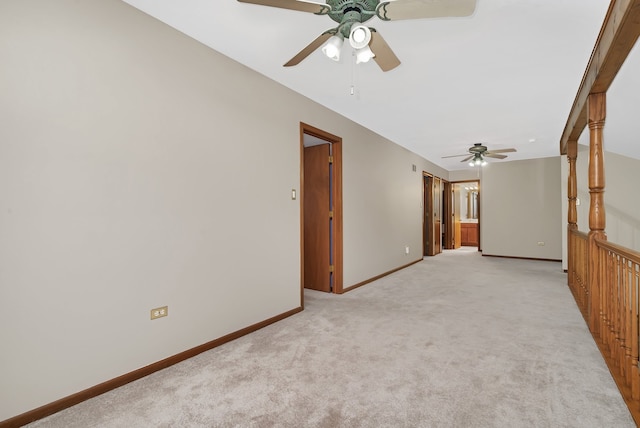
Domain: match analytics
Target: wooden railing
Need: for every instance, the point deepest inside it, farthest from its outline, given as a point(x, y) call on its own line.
point(618, 276)
point(578, 270)
point(610, 304)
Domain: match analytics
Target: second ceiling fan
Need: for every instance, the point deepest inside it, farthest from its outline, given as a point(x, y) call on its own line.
point(352, 14)
point(478, 152)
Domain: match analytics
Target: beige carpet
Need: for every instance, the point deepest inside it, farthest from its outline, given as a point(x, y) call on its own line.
point(458, 340)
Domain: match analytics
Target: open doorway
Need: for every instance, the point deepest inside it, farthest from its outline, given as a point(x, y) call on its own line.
point(321, 210)
point(466, 195)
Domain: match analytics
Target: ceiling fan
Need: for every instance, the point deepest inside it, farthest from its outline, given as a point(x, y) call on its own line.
point(478, 152)
point(352, 14)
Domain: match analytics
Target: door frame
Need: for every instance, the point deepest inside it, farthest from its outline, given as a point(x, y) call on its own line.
point(337, 230)
point(477, 181)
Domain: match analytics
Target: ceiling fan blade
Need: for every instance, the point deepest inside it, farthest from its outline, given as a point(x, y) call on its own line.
point(492, 155)
point(467, 158)
point(303, 6)
point(384, 56)
point(418, 9)
point(502, 151)
point(319, 41)
point(455, 156)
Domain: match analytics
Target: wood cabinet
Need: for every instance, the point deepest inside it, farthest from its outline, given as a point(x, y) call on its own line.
point(469, 234)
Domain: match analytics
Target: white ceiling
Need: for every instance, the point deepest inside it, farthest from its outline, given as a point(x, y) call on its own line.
point(505, 76)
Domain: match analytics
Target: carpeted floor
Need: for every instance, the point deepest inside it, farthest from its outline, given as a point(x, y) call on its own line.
point(458, 340)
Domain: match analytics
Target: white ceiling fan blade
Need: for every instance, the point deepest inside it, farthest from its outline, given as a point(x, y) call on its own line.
point(319, 41)
point(455, 156)
point(393, 10)
point(302, 6)
point(467, 158)
point(491, 155)
point(385, 58)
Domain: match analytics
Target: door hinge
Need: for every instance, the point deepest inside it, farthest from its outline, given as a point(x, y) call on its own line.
point(330, 159)
point(331, 268)
point(330, 214)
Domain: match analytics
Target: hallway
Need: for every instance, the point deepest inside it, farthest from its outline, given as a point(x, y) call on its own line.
point(501, 345)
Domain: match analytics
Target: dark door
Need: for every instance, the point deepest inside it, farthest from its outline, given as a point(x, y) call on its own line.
point(437, 215)
point(427, 225)
point(317, 221)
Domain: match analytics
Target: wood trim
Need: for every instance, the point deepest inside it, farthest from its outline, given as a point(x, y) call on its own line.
point(72, 400)
point(338, 274)
point(618, 34)
point(479, 183)
point(522, 258)
point(618, 249)
point(301, 205)
point(382, 275)
point(580, 234)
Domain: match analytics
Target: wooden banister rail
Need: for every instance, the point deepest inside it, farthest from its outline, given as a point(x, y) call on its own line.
point(616, 308)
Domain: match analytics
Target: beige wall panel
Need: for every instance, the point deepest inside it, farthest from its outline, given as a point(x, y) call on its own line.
point(520, 208)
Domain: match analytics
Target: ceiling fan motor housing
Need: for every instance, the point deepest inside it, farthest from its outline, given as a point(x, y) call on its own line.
point(348, 12)
point(478, 148)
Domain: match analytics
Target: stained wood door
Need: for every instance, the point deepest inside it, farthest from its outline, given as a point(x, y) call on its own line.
point(456, 217)
point(432, 225)
point(448, 241)
point(427, 225)
point(437, 215)
point(317, 206)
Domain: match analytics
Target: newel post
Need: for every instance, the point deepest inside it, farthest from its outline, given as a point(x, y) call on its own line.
point(572, 156)
point(572, 213)
point(597, 114)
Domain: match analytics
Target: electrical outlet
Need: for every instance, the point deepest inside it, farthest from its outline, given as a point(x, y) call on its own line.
point(541, 243)
point(406, 250)
point(159, 312)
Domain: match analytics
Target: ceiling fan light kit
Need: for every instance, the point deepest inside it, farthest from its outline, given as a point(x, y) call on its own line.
point(333, 47)
point(351, 14)
point(360, 36)
point(364, 55)
point(478, 160)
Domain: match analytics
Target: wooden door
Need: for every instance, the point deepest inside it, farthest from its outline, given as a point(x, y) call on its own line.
point(437, 215)
point(427, 224)
point(448, 242)
point(456, 217)
point(317, 232)
point(432, 225)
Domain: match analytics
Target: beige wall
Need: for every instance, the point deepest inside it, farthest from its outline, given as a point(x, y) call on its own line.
point(139, 168)
point(465, 174)
point(520, 206)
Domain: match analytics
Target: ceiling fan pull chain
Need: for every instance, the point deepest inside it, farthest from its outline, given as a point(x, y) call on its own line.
point(353, 72)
